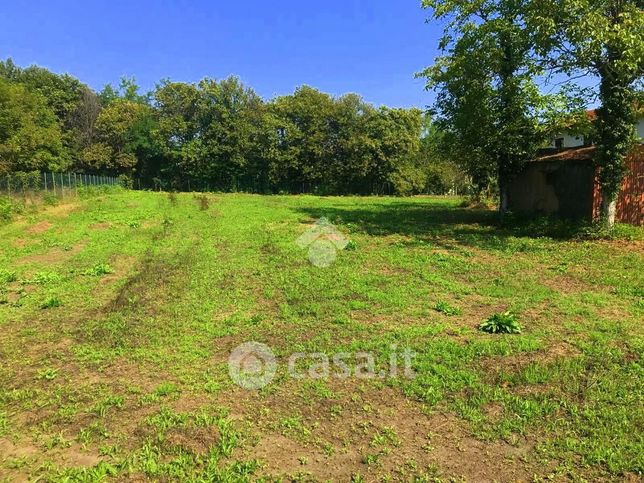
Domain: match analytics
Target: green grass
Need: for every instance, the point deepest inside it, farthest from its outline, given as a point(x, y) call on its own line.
point(118, 313)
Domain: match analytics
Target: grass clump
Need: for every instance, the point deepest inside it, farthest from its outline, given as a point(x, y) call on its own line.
point(98, 270)
point(447, 309)
point(204, 202)
point(501, 323)
point(7, 276)
point(43, 278)
point(50, 303)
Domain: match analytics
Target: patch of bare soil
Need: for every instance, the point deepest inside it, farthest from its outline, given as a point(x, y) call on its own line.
point(475, 310)
point(54, 256)
point(569, 284)
point(40, 227)
point(373, 432)
point(625, 245)
point(63, 209)
point(197, 441)
point(143, 278)
point(492, 366)
point(104, 225)
point(71, 456)
point(21, 242)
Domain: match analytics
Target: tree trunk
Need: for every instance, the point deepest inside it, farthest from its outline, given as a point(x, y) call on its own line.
point(608, 210)
point(503, 200)
point(615, 126)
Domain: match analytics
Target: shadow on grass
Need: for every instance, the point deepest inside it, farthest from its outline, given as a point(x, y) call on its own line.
point(437, 223)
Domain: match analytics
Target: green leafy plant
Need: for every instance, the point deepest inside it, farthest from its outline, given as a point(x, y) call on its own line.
point(43, 278)
point(50, 199)
point(7, 276)
point(98, 270)
point(48, 374)
point(501, 323)
point(447, 309)
point(51, 303)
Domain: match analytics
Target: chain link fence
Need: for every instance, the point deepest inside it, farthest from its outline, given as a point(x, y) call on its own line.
point(60, 184)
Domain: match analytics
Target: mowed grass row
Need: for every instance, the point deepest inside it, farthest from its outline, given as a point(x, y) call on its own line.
point(119, 311)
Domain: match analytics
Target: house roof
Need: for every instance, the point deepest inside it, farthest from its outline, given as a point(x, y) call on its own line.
point(581, 153)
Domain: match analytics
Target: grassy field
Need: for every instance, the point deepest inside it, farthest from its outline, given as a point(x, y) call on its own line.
point(118, 314)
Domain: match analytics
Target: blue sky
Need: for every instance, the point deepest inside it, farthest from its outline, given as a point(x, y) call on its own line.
point(372, 47)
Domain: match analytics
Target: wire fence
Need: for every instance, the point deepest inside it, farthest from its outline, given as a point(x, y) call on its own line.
point(21, 183)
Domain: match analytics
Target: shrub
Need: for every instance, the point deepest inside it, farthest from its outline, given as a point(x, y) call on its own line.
point(9, 207)
point(50, 199)
point(125, 181)
point(503, 323)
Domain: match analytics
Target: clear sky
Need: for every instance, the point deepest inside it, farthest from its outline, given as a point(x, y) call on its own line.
point(371, 47)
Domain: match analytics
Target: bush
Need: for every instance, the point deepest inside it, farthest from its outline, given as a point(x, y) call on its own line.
point(125, 181)
point(8, 208)
point(50, 199)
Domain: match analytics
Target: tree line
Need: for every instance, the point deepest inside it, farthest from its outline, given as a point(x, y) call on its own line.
point(216, 135)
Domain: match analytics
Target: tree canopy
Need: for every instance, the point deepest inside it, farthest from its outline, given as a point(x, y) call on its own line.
point(213, 134)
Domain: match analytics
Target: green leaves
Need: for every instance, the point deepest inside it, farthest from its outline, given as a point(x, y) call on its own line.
point(503, 323)
point(30, 137)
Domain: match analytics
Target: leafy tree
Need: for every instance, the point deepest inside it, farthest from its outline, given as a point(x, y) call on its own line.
point(74, 104)
point(178, 130)
point(487, 99)
point(121, 138)
point(30, 137)
point(394, 143)
point(307, 122)
point(229, 115)
point(210, 130)
point(127, 90)
point(604, 38)
point(442, 172)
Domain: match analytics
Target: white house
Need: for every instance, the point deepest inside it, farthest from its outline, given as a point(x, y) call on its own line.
point(571, 139)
